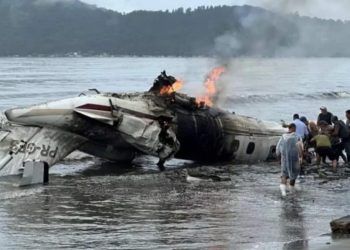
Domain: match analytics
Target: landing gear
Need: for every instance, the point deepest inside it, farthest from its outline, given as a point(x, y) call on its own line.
point(160, 164)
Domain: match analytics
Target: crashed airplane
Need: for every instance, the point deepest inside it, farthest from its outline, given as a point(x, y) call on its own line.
point(117, 127)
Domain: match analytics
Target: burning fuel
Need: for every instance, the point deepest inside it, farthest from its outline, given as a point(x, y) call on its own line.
point(167, 85)
point(167, 90)
point(210, 87)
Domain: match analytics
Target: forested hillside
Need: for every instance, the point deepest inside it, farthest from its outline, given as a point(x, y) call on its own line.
point(52, 27)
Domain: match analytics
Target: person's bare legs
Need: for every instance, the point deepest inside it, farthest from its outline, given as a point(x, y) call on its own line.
point(292, 183)
point(334, 165)
point(283, 186)
point(318, 160)
point(292, 186)
point(284, 180)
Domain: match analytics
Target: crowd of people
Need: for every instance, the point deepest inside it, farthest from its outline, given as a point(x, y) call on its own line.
point(328, 138)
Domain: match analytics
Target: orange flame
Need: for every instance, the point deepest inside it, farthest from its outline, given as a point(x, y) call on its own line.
point(210, 87)
point(167, 90)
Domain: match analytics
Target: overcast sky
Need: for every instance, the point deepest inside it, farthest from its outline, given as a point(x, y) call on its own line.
point(330, 9)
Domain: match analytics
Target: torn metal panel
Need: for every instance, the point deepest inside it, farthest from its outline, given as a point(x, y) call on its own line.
point(145, 135)
point(137, 121)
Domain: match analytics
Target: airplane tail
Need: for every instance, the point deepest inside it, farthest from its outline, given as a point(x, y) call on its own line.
point(20, 144)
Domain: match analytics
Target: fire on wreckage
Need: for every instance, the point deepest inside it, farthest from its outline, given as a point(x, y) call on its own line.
point(116, 127)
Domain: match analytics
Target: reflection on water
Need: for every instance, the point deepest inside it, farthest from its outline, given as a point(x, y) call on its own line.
point(292, 223)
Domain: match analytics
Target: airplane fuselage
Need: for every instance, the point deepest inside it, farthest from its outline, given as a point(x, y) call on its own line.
point(117, 126)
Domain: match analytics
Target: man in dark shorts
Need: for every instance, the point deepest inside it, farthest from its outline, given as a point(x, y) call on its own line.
point(339, 138)
point(346, 142)
point(324, 149)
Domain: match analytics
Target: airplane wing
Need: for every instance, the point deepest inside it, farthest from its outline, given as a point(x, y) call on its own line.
point(23, 143)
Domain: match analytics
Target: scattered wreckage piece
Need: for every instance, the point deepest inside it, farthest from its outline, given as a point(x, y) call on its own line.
point(325, 173)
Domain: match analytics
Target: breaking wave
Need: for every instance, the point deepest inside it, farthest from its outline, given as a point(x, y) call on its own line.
point(290, 96)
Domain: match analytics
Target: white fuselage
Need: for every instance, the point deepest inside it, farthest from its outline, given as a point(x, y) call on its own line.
point(126, 124)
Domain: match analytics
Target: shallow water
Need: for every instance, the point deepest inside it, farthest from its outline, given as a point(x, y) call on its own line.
point(92, 204)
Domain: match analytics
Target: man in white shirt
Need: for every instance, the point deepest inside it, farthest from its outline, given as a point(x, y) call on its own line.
point(301, 129)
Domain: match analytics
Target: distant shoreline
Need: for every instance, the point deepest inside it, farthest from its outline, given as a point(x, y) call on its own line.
point(105, 56)
point(173, 56)
point(75, 29)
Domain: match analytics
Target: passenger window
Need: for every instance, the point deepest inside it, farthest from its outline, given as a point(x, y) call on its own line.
point(250, 148)
point(272, 153)
point(235, 146)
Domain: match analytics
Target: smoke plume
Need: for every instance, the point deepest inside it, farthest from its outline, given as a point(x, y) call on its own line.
point(281, 32)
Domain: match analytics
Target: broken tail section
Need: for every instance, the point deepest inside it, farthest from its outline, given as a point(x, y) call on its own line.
point(21, 144)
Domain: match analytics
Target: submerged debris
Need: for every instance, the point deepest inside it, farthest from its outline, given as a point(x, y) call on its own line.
point(211, 173)
point(197, 174)
point(325, 172)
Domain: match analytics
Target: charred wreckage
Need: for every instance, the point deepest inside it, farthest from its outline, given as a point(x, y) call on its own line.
point(160, 122)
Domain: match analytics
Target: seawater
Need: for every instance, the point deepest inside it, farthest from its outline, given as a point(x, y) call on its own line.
point(92, 204)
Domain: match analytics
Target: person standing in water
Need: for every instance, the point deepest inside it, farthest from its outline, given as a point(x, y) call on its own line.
point(290, 151)
point(300, 127)
point(346, 141)
point(324, 149)
point(325, 116)
point(339, 137)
